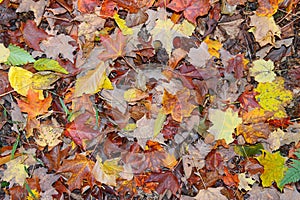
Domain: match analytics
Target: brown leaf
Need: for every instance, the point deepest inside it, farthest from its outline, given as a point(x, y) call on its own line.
point(253, 132)
point(4, 83)
point(230, 179)
point(114, 46)
point(81, 169)
point(87, 6)
point(32, 34)
point(54, 158)
point(267, 7)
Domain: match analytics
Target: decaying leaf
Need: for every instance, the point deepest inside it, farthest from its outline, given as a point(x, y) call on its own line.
point(4, 53)
point(15, 172)
point(245, 182)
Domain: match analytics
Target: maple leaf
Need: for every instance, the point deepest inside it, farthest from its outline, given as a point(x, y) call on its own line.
point(32, 34)
point(230, 179)
point(177, 105)
point(273, 168)
point(265, 29)
point(80, 130)
point(81, 169)
point(114, 46)
point(166, 181)
point(247, 99)
point(262, 71)
point(273, 97)
point(54, 158)
point(224, 123)
point(191, 8)
point(34, 106)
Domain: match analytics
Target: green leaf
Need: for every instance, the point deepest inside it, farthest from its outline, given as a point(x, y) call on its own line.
point(18, 56)
point(46, 64)
point(248, 150)
point(292, 175)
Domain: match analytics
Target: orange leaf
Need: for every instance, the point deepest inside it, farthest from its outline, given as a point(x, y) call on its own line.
point(34, 106)
point(253, 132)
point(177, 105)
point(81, 169)
point(267, 7)
point(229, 179)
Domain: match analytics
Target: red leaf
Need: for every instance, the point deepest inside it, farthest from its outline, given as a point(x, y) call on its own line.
point(166, 181)
point(87, 6)
point(229, 179)
point(33, 35)
point(247, 99)
point(108, 8)
point(236, 65)
point(280, 123)
point(191, 8)
point(79, 130)
point(214, 161)
point(170, 129)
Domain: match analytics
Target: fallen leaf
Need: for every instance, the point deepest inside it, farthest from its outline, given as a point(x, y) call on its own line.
point(15, 172)
point(81, 169)
point(4, 53)
point(32, 34)
point(211, 194)
point(196, 59)
point(263, 71)
point(122, 25)
point(44, 64)
point(245, 182)
point(60, 44)
point(166, 181)
point(273, 97)
point(177, 105)
point(253, 132)
point(37, 7)
point(265, 29)
point(114, 46)
point(87, 6)
point(134, 94)
point(191, 8)
point(232, 180)
point(224, 123)
point(93, 81)
point(108, 171)
point(273, 168)
point(54, 158)
point(34, 106)
point(213, 47)
point(267, 7)
point(237, 65)
point(275, 138)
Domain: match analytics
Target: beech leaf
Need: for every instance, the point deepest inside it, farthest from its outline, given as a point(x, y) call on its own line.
point(18, 56)
point(45, 64)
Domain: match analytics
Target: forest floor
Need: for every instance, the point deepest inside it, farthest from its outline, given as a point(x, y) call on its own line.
point(159, 99)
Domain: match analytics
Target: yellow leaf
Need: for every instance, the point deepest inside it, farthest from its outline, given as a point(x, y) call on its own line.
point(122, 25)
point(35, 193)
point(107, 83)
point(262, 71)
point(15, 171)
point(213, 47)
point(186, 28)
point(44, 80)
point(273, 168)
point(134, 94)
point(273, 97)
point(21, 80)
point(4, 52)
point(224, 123)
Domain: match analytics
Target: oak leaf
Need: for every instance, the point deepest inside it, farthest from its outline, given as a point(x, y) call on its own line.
point(34, 106)
point(81, 169)
point(224, 124)
point(114, 46)
point(37, 7)
point(191, 8)
point(177, 105)
point(273, 168)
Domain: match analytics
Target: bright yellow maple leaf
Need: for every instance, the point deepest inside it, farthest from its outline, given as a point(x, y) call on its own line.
point(273, 97)
point(273, 167)
point(262, 71)
point(224, 123)
point(177, 105)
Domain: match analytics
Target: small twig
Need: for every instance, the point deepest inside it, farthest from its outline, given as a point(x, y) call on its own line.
point(6, 93)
